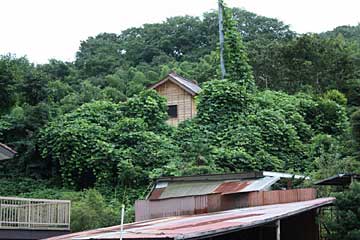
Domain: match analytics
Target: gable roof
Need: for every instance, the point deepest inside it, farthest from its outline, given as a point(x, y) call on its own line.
point(6, 152)
point(186, 84)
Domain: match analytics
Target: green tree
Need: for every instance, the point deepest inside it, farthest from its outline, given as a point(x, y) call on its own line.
point(235, 55)
point(346, 225)
point(100, 55)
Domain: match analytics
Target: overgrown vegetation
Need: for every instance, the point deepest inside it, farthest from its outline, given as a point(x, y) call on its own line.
point(345, 224)
point(87, 130)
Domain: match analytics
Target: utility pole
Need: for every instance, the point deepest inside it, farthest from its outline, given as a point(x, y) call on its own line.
point(221, 36)
point(122, 221)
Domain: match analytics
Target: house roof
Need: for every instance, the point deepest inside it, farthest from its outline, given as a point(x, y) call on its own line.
point(339, 179)
point(6, 152)
point(173, 187)
point(211, 177)
point(188, 85)
point(203, 225)
point(182, 189)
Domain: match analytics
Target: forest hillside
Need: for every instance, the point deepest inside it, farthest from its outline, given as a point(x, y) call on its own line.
point(89, 131)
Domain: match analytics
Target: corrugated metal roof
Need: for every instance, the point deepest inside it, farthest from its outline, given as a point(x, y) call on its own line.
point(204, 225)
point(229, 176)
point(216, 183)
point(232, 187)
point(284, 175)
point(195, 188)
point(180, 189)
point(339, 179)
point(261, 184)
point(188, 85)
point(156, 193)
point(6, 152)
point(185, 82)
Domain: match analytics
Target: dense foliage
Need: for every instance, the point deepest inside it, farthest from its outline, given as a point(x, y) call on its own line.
point(87, 130)
point(346, 223)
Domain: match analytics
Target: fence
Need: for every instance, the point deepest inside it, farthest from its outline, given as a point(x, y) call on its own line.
point(39, 214)
point(147, 209)
point(189, 205)
point(280, 196)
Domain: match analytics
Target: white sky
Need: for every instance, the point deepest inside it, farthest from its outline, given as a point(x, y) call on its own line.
point(44, 29)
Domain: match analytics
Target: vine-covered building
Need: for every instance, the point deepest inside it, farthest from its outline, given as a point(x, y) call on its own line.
point(180, 94)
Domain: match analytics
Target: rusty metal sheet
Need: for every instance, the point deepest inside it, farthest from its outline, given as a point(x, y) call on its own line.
point(156, 193)
point(214, 202)
point(173, 187)
point(186, 227)
point(280, 196)
point(232, 187)
point(201, 204)
point(145, 209)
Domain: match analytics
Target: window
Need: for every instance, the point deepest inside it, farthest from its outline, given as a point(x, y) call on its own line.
point(172, 111)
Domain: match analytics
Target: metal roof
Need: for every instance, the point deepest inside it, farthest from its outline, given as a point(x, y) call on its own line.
point(211, 177)
point(261, 184)
point(172, 187)
point(284, 175)
point(181, 189)
point(6, 152)
point(196, 188)
point(339, 179)
point(203, 225)
point(188, 85)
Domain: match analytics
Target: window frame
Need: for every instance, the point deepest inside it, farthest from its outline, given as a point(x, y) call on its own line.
point(174, 109)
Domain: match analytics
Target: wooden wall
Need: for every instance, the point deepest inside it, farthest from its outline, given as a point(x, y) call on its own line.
point(175, 95)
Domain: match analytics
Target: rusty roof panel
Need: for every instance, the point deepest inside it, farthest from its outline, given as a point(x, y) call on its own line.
point(156, 193)
point(196, 188)
point(204, 225)
point(232, 187)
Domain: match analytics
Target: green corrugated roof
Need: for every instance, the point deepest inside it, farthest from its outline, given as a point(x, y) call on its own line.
point(180, 189)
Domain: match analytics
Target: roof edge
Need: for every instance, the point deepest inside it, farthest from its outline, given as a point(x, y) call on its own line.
point(328, 202)
point(173, 80)
point(210, 177)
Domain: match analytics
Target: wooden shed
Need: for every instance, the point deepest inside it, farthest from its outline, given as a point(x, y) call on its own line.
point(180, 94)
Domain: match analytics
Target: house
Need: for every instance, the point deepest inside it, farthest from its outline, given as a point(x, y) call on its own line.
point(286, 221)
point(177, 196)
point(180, 94)
point(220, 207)
point(6, 152)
